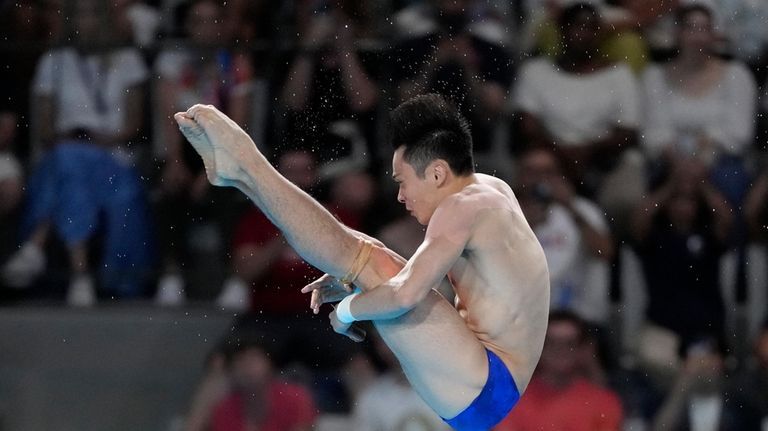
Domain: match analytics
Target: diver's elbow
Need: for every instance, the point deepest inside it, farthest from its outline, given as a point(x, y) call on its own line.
point(408, 298)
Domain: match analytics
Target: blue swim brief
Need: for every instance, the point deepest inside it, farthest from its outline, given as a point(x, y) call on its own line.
point(493, 404)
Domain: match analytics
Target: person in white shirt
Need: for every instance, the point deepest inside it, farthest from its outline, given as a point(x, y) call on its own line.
point(89, 99)
point(588, 110)
point(700, 105)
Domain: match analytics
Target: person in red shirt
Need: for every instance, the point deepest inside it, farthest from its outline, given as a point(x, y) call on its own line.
point(559, 397)
point(257, 399)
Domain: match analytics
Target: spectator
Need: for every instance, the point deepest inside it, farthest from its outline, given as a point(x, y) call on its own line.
point(203, 70)
point(750, 389)
point(331, 83)
point(700, 105)
point(698, 400)
point(680, 232)
point(573, 232)
point(470, 70)
point(257, 398)
point(593, 128)
point(389, 403)
point(559, 397)
point(89, 98)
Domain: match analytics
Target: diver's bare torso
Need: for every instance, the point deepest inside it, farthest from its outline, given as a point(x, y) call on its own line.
point(501, 280)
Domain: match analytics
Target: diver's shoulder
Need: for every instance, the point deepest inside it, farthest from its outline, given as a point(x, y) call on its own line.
point(488, 189)
point(490, 180)
point(485, 193)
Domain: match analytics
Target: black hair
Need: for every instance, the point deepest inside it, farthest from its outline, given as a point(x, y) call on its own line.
point(431, 128)
point(569, 15)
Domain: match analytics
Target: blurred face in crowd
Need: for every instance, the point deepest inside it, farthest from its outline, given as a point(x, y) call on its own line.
point(562, 352)
point(204, 23)
point(538, 173)
point(696, 34)
point(251, 367)
point(538, 167)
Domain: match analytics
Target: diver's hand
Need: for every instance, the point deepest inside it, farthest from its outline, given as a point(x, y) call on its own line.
point(324, 290)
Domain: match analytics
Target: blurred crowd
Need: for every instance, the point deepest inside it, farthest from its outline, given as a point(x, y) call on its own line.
point(633, 132)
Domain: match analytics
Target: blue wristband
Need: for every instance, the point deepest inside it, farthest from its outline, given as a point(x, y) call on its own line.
point(343, 312)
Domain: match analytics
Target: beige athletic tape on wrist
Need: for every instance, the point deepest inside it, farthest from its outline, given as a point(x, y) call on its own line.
point(358, 264)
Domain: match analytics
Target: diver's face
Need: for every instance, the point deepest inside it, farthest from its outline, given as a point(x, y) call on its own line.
point(417, 193)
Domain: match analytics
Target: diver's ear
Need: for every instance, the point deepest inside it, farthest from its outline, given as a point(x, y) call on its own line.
point(438, 171)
